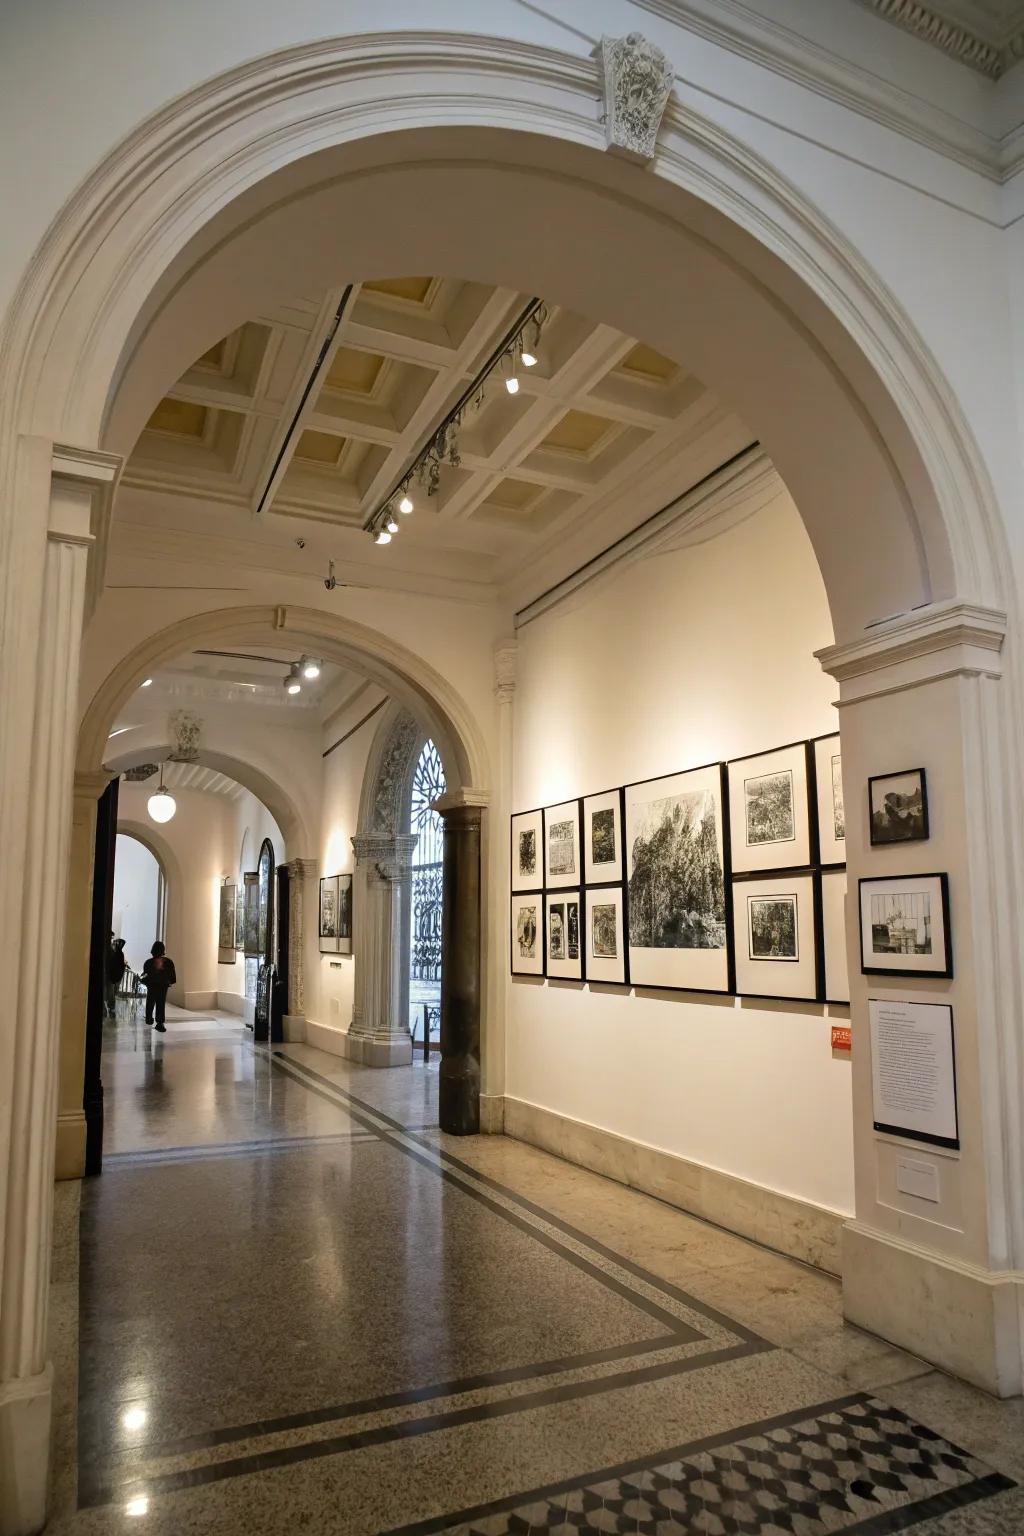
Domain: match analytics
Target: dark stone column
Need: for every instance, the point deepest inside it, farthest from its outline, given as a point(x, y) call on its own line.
point(459, 1103)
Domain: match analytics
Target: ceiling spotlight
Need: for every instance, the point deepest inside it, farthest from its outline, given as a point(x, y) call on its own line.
point(161, 805)
point(405, 505)
point(383, 536)
point(529, 360)
point(512, 384)
point(293, 682)
point(310, 667)
point(391, 525)
point(146, 683)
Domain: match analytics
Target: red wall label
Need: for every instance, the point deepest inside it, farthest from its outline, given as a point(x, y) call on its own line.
point(840, 1037)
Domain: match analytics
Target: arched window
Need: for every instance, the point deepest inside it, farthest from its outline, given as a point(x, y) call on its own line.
point(425, 935)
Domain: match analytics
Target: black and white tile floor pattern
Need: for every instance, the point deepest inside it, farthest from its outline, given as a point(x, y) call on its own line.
point(861, 1466)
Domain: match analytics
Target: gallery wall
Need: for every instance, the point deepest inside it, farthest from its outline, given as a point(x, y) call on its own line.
point(696, 654)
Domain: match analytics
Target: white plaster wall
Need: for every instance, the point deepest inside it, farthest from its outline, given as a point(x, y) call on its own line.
point(693, 655)
point(136, 899)
point(248, 824)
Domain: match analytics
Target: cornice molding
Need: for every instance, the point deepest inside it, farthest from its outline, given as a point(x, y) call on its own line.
point(83, 481)
point(960, 42)
point(941, 641)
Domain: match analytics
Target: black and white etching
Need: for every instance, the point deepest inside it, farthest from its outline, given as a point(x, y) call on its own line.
point(901, 923)
point(526, 932)
point(602, 836)
point(562, 848)
point(528, 853)
point(604, 938)
point(556, 931)
point(344, 906)
point(768, 804)
point(329, 908)
point(572, 929)
point(899, 807)
point(772, 927)
point(676, 884)
point(838, 809)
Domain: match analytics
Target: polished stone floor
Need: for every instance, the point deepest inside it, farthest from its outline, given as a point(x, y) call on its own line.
point(290, 1305)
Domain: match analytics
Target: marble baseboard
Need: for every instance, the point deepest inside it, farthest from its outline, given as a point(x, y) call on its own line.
point(69, 1159)
point(790, 1226)
point(25, 1412)
point(967, 1321)
point(199, 1002)
point(234, 1002)
point(294, 1025)
point(492, 1114)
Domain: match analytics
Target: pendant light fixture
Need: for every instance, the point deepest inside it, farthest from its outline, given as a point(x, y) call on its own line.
point(161, 805)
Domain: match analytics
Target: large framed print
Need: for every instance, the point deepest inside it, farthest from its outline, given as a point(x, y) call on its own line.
point(563, 935)
point(828, 781)
point(677, 917)
point(527, 936)
point(904, 926)
point(527, 851)
point(833, 936)
point(344, 914)
point(329, 914)
point(913, 1071)
point(776, 936)
point(605, 954)
point(563, 857)
point(226, 924)
point(251, 932)
point(769, 811)
point(602, 837)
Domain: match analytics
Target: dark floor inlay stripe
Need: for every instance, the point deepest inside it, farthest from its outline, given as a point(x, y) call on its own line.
point(852, 1466)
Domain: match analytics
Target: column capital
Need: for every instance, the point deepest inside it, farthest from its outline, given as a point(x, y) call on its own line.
point(461, 800)
point(506, 670)
point(302, 869)
point(385, 852)
point(90, 786)
point(938, 641)
point(82, 483)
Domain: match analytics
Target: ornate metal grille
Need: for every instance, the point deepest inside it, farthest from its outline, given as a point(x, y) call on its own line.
point(425, 950)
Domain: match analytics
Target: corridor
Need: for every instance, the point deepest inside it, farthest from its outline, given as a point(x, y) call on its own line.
point(302, 1309)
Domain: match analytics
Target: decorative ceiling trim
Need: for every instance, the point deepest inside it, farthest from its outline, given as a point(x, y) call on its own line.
point(967, 46)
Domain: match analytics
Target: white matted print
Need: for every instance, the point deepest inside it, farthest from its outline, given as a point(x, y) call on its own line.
point(833, 928)
point(828, 774)
point(528, 935)
point(602, 837)
point(527, 851)
point(563, 935)
point(904, 926)
point(563, 857)
point(605, 930)
point(774, 927)
point(676, 874)
point(768, 812)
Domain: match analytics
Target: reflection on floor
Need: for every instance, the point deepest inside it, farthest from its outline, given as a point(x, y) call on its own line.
point(303, 1309)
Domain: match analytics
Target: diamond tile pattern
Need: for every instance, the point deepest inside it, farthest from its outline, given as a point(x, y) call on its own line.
point(821, 1475)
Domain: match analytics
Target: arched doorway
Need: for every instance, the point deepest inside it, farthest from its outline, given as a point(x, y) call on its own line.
point(426, 899)
point(140, 898)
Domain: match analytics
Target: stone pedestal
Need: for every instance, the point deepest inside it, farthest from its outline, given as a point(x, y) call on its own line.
point(459, 1098)
point(379, 1033)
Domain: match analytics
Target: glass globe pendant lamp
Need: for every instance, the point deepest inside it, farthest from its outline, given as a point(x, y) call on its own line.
point(161, 805)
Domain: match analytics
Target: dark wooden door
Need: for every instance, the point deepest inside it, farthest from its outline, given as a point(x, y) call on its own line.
point(102, 909)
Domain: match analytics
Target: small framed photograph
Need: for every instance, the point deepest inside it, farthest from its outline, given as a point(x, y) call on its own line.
point(833, 934)
point(602, 837)
point(527, 851)
point(563, 933)
point(898, 807)
point(344, 914)
point(226, 924)
point(904, 926)
point(562, 853)
point(329, 914)
point(605, 952)
point(769, 811)
point(828, 780)
point(776, 937)
point(527, 936)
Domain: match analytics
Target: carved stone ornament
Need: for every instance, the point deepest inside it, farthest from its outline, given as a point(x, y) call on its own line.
point(637, 78)
point(506, 663)
point(185, 728)
point(393, 773)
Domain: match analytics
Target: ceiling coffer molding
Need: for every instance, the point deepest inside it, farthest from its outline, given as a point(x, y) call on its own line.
point(962, 42)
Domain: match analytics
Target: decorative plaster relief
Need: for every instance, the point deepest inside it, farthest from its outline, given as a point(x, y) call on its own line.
point(393, 774)
point(637, 78)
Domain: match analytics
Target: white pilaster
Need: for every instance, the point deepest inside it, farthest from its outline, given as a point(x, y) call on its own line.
point(379, 1033)
point(80, 489)
point(942, 1277)
point(302, 873)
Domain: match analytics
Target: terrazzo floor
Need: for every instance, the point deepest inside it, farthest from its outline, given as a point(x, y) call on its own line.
point(291, 1305)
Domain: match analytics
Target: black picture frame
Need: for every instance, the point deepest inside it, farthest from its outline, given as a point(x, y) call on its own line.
point(592, 898)
point(946, 974)
point(562, 895)
point(569, 880)
point(832, 841)
point(749, 882)
point(618, 871)
point(542, 937)
point(831, 872)
point(526, 890)
point(328, 941)
point(920, 836)
point(811, 792)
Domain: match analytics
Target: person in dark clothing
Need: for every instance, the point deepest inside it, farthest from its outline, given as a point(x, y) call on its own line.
point(116, 967)
point(157, 975)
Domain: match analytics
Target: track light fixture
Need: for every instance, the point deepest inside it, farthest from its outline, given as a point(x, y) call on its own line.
point(391, 525)
point(293, 682)
point(405, 505)
point(382, 536)
point(310, 667)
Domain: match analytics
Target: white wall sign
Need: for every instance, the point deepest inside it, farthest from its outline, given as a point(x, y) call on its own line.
point(913, 1073)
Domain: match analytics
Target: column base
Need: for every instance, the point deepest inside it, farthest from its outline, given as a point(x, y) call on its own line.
point(69, 1162)
point(25, 1411)
point(492, 1114)
point(378, 1050)
point(966, 1320)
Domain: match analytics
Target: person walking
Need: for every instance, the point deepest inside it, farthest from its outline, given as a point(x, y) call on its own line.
point(116, 965)
point(157, 976)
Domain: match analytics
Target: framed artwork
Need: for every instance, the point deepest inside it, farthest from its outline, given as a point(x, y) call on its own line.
point(776, 936)
point(602, 837)
point(605, 953)
point(769, 811)
point(226, 924)
point(904, 926)
point(676, 854)
point(828, 781)
point(239, 919)
point(833, 936)
point(562, 853)
point(252, 912)
point(527, 851)
point(344, 914)
point(898, 807)
point(329, 914)
point(563, 935)
point(527, 935)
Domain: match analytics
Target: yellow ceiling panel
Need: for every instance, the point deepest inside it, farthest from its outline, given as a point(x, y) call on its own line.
point(650, 364)
point(355, 372)
point(183, 417)
point(320, 447)
point(214, 358)
point(415, 289)
point(577, 432)
point(515, 495)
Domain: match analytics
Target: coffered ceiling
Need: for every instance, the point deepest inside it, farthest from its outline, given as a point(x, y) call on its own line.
point(308, 428)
